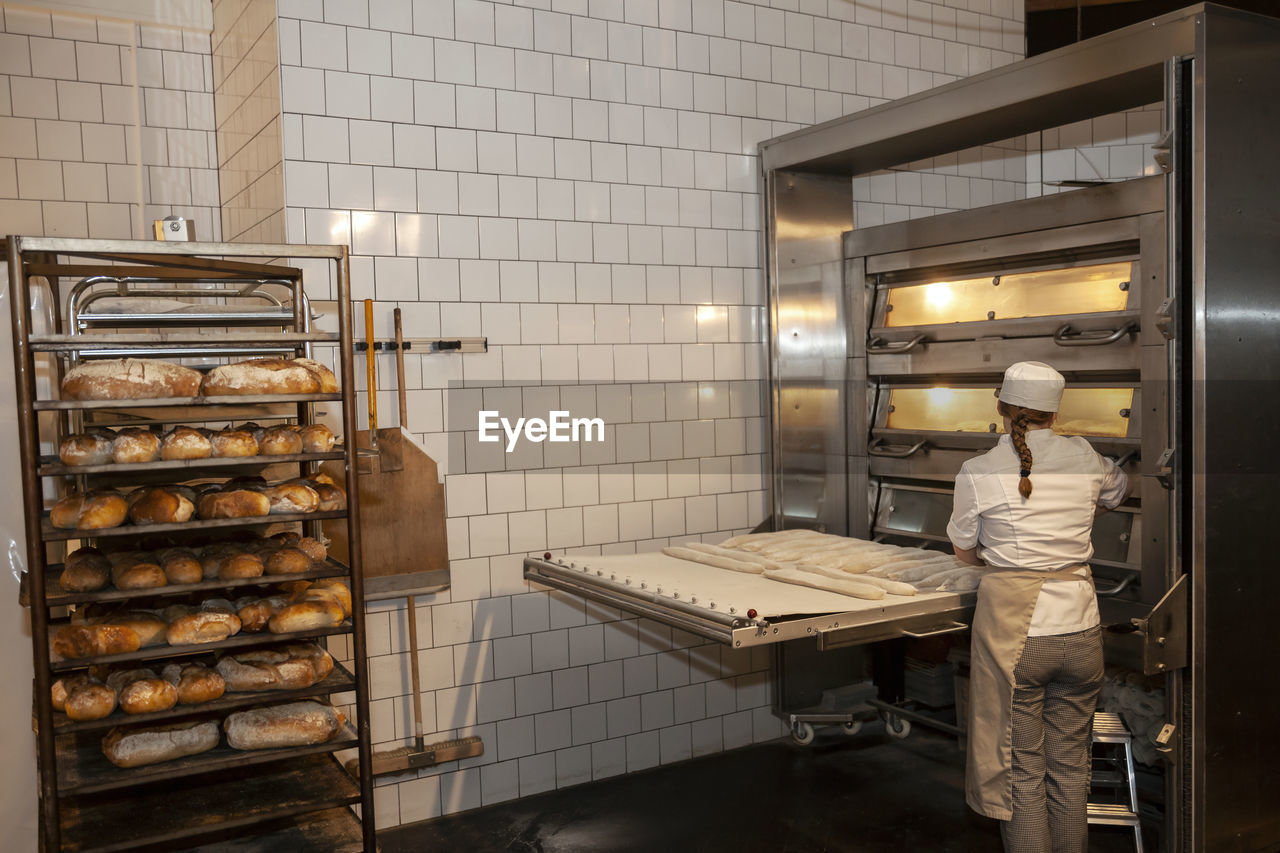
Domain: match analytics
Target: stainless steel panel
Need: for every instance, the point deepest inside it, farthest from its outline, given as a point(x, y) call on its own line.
point(1117, 71)
point(943, 463)
point(1027, 216)
point(992, 356)
point(1236, 406)
point(807, 216)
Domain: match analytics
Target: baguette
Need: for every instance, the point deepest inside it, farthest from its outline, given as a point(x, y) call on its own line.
point(260, 376)
point(294, 724)
point(129, 379)
point(137, 747)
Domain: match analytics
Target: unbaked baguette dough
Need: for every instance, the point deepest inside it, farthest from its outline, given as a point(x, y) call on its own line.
point(714, 560)
point(742, 556)
point(260, 376)
point(137, 747)
point(129, 379)
point(294, 724)
point(891, 587)
point(844, 587)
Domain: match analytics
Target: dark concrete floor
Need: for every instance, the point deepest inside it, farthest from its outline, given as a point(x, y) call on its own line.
point(860, 794)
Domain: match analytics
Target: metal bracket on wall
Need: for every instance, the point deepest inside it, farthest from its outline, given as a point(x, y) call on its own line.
point(1164, 632)
point(1165, 317)
point(429, 345)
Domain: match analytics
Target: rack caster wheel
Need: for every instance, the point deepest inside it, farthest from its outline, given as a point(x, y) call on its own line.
point(802, 733)
point(852, 727)
point(896, 727)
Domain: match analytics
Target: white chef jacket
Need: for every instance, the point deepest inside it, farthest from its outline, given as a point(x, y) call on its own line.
point(1050, 530)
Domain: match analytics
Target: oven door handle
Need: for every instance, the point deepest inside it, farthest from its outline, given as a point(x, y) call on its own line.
point(1101, 337)
point(879, 448)
point(877, 346)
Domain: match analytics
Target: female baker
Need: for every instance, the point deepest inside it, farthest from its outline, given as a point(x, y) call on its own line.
point(1037, 644)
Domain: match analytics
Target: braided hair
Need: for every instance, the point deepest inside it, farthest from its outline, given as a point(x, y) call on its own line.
point(1021, 418)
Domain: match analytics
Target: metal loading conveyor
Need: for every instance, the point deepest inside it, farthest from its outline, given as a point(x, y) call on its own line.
point(743, 610)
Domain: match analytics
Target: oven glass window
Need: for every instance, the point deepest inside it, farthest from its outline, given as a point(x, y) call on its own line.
point(1079, 290)
point(1085, 411)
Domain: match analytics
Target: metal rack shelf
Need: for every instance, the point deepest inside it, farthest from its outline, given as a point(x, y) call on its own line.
point(338, 681)
point(51, 466)
point(228, 805)
point(235, 641)
point(173, 402)
point(289, 797)
point(83, 769)
point(58, 534)
point(330, 569)
point(92, 343)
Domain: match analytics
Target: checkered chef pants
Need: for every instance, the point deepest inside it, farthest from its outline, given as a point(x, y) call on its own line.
point(1056, 688)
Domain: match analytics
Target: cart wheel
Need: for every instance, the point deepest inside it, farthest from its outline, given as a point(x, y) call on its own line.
point(852, 727)
point(802, 733)
point(896, 727)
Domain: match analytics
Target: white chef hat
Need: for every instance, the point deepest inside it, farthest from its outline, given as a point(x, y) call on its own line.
point(1032, 385)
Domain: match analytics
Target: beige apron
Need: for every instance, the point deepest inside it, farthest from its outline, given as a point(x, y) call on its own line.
point(1006, 602)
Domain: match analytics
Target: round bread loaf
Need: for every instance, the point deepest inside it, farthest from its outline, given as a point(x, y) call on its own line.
point(137, 747)
point(320, 477)
point(85, 570)
point(313, 548)
point(195, 682)
point(92, 511)
point(159, 505)
point(181, 566)
point(288, 561)
point(328, 382)
point(203, 626)
point(85, 449)
point(234, 442)
point(294, 724)
point(147, 695)
point(135, 445)
point(260, 376)
point(317, 438)
point(149, 628)
point(286, 537)
point(271, 669)
point(186, 443)
point(237, 503)
point(279, 441)
point(241, 566)
point(332, 498)
point(254, 612)
point(338, 590)
point(307, 615)
point(292, 497)
point(139, 575)
point(129, 379)
point(82, 641)
point(82, 697)
point(212, 557)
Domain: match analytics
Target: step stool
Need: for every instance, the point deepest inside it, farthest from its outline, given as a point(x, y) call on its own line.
point(1109, 729)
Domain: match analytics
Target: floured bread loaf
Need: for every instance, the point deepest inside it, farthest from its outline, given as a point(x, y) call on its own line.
point(137, 747)
point(195, 682)
point(83, 697)
point(260, 376)
point(129, 379)
point(294, 724)
point(289, 667)
point(89, 448)
point(328, 382)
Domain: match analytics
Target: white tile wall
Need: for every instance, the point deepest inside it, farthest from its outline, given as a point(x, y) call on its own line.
point(89, 154)
point(577, 181)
